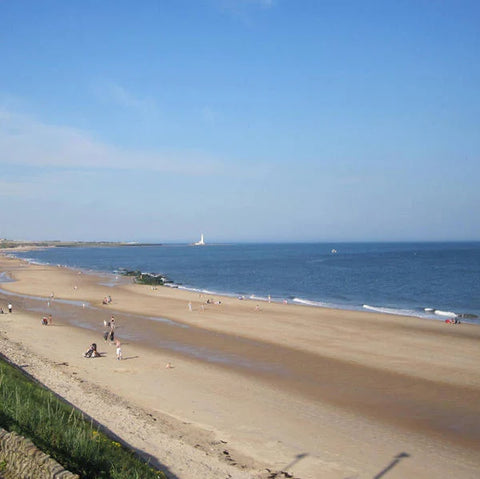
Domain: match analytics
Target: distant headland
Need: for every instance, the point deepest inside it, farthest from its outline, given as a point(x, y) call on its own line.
point(7, 243)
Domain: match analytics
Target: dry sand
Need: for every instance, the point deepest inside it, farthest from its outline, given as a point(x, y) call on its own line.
point(312, 392)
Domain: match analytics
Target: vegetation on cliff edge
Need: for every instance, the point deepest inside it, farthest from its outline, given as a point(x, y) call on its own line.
point(63, 432)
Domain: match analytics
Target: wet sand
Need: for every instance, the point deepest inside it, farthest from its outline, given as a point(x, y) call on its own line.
point(315, 392)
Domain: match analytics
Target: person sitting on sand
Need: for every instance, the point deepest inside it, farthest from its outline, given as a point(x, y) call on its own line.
point(44, 321)
point(92, 352)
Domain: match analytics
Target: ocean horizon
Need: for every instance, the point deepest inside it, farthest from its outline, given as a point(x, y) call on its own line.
point(431, 280)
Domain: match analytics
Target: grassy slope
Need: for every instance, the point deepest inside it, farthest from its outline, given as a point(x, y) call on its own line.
point(63, 432)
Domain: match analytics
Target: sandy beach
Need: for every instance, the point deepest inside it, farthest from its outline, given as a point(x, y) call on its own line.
point(254, 390)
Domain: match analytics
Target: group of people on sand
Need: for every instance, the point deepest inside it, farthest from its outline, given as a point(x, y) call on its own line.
point(93, 353)
point(9, 307)
point(212, 301)
point(109, 333)
point(453, 321)
point(107, 300)
point(47, 320)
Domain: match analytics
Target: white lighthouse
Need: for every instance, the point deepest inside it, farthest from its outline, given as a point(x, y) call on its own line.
point(201, 242)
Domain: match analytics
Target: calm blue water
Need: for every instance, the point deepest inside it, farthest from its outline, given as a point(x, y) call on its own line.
point(401, 278)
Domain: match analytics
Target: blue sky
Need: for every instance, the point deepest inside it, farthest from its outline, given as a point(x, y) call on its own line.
point(247, 120)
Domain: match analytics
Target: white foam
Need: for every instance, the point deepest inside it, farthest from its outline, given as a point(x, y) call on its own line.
point(444, 313)
point(398, 312)
point(33, 261)
point(258, 298)
point(197, 290)
point(439, 312)
point(309, 303)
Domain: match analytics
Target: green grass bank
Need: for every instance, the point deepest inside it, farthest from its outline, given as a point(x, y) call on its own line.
point(63, 432)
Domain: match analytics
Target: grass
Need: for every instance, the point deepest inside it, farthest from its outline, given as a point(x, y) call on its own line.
point(63, 432)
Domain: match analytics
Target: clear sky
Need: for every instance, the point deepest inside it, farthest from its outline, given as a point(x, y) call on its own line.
point(245, 120)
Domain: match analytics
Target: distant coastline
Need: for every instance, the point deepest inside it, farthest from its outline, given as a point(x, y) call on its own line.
point(8, 244)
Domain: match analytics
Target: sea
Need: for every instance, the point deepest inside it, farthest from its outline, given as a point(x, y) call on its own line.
point(426, 280)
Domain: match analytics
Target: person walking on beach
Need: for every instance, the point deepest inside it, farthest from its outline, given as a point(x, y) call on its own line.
point(112, 329)
point(119, 350)
point(10, 308)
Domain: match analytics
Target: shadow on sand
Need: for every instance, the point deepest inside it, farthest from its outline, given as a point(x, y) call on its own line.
point(395, 461)
point(384, 471)
point(283, 473)
point(130, 357)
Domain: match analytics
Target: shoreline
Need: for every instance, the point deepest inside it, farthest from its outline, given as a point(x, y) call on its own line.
point(319, 382)
point(425, 313)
